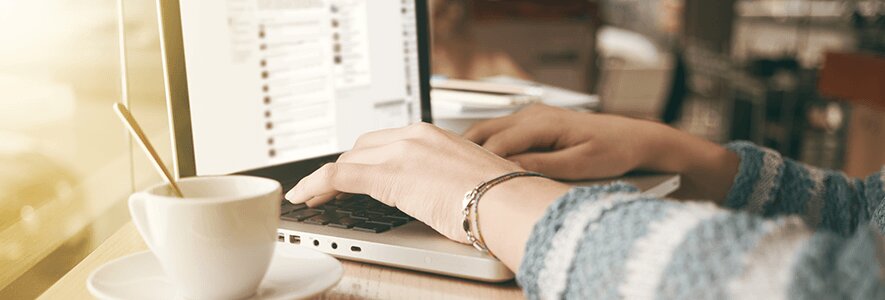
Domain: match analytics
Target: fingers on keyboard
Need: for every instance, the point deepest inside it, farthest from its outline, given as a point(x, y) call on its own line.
point(357, 212)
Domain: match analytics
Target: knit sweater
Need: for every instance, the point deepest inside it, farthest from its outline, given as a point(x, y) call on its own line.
point(788, 231)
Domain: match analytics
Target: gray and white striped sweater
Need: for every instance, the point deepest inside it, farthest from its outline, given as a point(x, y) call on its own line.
point(789, 231)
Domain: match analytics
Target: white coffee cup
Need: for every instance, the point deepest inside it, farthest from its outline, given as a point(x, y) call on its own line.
point(217, 242)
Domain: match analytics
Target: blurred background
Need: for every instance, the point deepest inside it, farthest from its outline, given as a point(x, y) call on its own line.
point(803, 77)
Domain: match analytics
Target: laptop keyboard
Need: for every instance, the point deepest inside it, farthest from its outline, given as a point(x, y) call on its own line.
point(359, 212)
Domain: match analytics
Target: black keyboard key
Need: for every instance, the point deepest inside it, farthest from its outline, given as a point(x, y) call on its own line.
point(365, 214)
point(382, 212)
point(355, 205)
point(344, 210)
point(345, 222)
point(318, 220)
point(376, 204)
point(328, 207)
point(301, 215)
point(358, 217)
point(360, 198)
point(388, 221)
point(371, 227)
point(396, 214)
point(403, 217)
point(358, 205)
point(288, 207)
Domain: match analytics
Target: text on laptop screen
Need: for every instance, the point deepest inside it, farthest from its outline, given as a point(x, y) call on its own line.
point(276, 81)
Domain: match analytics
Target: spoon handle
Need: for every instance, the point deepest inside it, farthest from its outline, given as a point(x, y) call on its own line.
point(146, 145)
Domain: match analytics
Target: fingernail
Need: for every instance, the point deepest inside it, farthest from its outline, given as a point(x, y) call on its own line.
point(290, 195)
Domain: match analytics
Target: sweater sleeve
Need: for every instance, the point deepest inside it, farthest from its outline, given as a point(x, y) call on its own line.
point(771, 185)
point(611, 242)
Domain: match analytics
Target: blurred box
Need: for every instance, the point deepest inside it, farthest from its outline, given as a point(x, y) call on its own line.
point(855, 77)
point(860, 79)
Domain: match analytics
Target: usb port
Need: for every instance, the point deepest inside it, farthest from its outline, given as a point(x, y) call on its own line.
point(281, 237)
point(355, 249)
point(294, 239)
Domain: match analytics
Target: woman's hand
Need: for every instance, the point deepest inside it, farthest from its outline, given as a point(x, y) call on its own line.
point(567, 144)
point(573, 145)
point(421, 169)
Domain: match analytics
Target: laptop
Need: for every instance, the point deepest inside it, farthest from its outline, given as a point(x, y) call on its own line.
point(278, 88)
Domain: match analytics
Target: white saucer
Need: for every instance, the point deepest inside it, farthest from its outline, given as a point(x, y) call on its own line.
point(294, 273)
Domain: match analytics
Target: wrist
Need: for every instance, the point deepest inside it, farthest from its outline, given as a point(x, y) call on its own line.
point(707, 169)
point(539, 191)
point(509, 211)
point(660, 150)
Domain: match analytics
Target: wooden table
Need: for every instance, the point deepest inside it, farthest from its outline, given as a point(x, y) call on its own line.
point(360, 281)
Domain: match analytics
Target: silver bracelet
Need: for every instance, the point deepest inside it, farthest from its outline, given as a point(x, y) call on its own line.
point(471, 212)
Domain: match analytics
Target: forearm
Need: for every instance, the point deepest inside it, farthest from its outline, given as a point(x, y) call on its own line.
point(771, 185)
point(707, 169)
point(610, 242)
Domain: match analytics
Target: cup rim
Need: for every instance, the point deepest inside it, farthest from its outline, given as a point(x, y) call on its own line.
point(272, 187)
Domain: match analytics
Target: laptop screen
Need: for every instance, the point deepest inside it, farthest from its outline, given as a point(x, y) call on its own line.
point(272, 82)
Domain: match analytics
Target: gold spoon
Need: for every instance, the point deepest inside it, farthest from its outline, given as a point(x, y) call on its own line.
point(142, 139)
